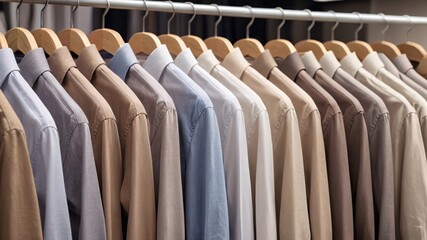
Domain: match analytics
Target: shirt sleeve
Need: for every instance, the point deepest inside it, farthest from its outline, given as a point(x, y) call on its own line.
point(108, 159)
point(205, 192)
point(413, 184)
point(19, 211)
point(236, 167)
point(360, 173)
point(290, 182)
point(137, 193)
point(49, 179)
point(167, 169)
point(81, 184)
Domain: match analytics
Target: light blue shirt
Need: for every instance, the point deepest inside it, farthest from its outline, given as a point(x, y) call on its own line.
point(81, 180)
point(43, 145)
point(205, 199)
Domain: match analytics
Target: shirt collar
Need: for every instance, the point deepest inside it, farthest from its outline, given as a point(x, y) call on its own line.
point(33, 64)
point(157, 61)
point(60, 61)
point(388, 64)
point(88, 61)
point(208, 61)
point(185, 61)
point(8, 63)
point(329, 63)
point(402, 63)
point(310, 62)
point(122, 60)
point(372, 63)
point(235, 62)
point(291, 65)
point(264, 63)
point(351, 64)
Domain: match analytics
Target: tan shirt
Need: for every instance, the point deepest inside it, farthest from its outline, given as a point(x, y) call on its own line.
point(137, 191)
point(288, 160)
point(19, 211)
point(409, 160)
point(310, 129)
point(104, 135)
point(320, 205)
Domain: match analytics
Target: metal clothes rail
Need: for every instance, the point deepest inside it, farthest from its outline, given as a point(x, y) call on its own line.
point(233, 11)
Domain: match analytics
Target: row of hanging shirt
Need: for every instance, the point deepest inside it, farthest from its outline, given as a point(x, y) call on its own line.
point(147, 146)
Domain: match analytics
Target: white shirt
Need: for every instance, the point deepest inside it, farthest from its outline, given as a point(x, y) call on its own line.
point(231, 124)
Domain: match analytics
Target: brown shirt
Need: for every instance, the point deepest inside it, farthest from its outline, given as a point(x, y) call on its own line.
point(19, 211)
point(332, 120)
point(309, 123)
point(289, 180)
point(104, 135)
point(377, 120)
point(137, 192)
point(356, 136)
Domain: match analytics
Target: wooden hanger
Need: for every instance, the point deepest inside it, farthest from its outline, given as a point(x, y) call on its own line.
point(174, 43)
point(280, 48)
point(339, 48)
point(144, 42)
point(106, 39)
point(220, 46)
point(414, 51)
point(361, 48)
point(75, 39)
point(46, 38)
point(3, 42)
point(388, 48)
point(20, 39)
point(250, 47)
point(311, 45)
point(196, 44)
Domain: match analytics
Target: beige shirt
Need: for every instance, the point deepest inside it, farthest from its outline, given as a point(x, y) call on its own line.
point(288, 160)
point(137, 191)
point(309, 124)
point(19, 211)
point(409, 160)
point(374, 65)
point(104, 135)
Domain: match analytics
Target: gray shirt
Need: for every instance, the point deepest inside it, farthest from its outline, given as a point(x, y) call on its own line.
point(81, 181)
point(43, 146)
point(404, 65)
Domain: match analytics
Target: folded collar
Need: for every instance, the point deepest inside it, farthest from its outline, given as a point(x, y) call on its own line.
point(351, 64)
point(291, 65)
point(264, 63)
point(33, 65)
point(402, 63)
point(372, 63)
point(235, 62)
point(310, 62)
point(207, 60)
point(7, 64)
point(88, 61)
point(329, 63)
point(185, 61)
point(157, 61)
point(60, 62)
point(122, 60)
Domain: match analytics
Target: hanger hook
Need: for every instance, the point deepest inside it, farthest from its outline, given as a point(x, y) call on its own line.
point(105, 13)
point(282, 23)
point(335, 25)
point(219, 19)
point(386, 25)
point(356, 33)
point(251, 22)
point(42, 13)
point(311, 25)
point(18, 13)
point(173, 15)
point(192, 18)
point(411, 26)
point(73, 10)
point(145, 15)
